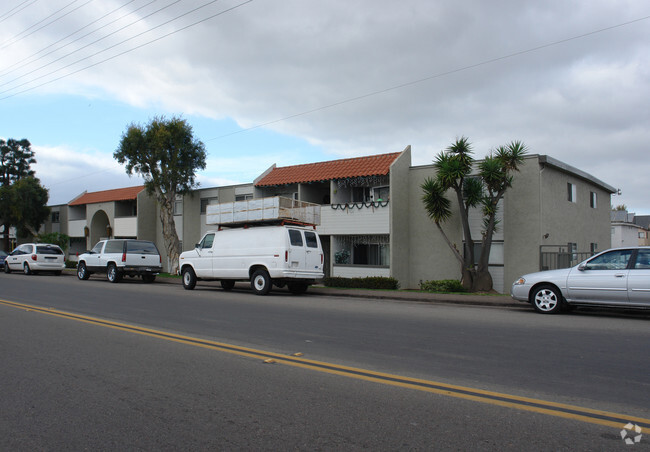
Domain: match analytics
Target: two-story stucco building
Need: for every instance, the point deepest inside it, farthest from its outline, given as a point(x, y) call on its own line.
point(373, 222)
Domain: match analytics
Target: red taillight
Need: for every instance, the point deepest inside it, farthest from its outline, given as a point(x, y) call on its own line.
point(286, 256)
point(34, 257)
point(124, 257)
point(321, 259)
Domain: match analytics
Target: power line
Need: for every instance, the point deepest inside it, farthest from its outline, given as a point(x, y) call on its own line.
point(430, 77)
point(124, 52)
point(79, 49)
point(9, 69)
point(12, 13)
point(17, 38)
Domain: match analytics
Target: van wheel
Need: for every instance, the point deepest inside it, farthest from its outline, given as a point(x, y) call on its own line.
point(189, 278)
point(261, 282)
point(7, 269)
point(82, 271)
point(148, 278)
point(297, 288)
point(112, 274)
point(227, 284)
point(26, 269)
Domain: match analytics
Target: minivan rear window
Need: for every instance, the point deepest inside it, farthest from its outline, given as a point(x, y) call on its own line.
point(310, 238)
point(48, 249)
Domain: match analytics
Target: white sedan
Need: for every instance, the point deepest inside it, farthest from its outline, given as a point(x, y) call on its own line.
point(615, 278)
point(35, 257)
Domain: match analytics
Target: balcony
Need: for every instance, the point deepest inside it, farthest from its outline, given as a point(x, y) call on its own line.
point(355, 218)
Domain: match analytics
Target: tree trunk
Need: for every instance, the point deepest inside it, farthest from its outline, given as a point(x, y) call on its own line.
point(170, 236)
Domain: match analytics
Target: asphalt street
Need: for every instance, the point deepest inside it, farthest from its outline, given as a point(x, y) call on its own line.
point(70, 384)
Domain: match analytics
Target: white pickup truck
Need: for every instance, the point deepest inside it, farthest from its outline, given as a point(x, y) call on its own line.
point(264, 255)
point(121, 257)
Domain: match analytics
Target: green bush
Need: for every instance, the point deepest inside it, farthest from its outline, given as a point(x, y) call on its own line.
point(370, 282)
point(70, 264)
point(443, 285)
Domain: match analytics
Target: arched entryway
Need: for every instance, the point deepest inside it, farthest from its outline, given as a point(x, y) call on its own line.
point(98, 227)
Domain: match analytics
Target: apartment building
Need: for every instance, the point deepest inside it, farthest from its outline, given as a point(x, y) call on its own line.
point(373, 222)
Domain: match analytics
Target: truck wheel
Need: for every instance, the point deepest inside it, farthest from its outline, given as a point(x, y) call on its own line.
point(112, 274)
point(82, 271)
point(227, 284)
point(189, 278)
point(148, 278)
point(297, 288)
point(261, 282)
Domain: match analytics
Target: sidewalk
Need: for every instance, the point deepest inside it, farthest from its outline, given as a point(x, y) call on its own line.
point(397, 295)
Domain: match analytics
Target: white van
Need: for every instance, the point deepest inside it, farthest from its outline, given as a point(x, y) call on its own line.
point(264, 255)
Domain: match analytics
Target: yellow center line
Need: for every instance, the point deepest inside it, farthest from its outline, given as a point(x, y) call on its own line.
point(478, 395)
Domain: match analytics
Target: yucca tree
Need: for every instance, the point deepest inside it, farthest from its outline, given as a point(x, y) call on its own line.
point(482, 185)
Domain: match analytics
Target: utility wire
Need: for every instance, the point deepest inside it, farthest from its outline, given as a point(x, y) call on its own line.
point(17, 38)
point(124, 52)
point(79, 49)
point(9, 70)
point(12, 13)
point(430, 77)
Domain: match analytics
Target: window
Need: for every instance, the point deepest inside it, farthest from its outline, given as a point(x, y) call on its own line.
point(114, 246)
point(371, 255)
point(141, 247)
point(98, 247)
point(207, 241)
point(295, 237)
point(55, 217)
point(360, 194)
point(311, 240)
point(643, 235)
point(571, 192)
point(381, 193)
point(243, 197)
point(205, 202)
point(592, 200)
point(593, 248)
point(614, 260)
point(178, 205)
point(643, 259)
point(48, 249)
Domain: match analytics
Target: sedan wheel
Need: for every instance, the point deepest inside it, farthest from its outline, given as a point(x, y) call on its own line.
point(547, 299)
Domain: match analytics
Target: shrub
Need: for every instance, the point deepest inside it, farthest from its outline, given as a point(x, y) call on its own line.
point(70, 264)
point(443, 285)
point(370, 282)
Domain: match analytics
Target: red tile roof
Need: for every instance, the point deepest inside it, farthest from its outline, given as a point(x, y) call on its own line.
point(118, 194)
point(374, 165)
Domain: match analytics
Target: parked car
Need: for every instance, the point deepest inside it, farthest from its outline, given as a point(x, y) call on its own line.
point(617, 277)
point(31, 258)
point(121, 257)
point(264, 255)
point(3, 255)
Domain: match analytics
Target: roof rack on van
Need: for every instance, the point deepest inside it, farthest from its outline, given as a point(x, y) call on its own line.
point(276, 210)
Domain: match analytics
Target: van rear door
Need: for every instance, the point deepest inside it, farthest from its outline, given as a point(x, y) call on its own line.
point(296, 259)
point(314, 253)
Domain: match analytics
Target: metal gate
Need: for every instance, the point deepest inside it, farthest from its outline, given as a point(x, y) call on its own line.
point(552, 257)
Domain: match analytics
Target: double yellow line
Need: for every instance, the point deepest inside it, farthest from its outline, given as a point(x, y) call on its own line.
point(478, 395)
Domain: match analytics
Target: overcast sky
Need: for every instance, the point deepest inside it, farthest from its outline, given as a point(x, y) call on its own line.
point(299, 81)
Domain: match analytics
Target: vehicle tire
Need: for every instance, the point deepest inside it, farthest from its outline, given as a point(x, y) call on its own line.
point(112, 274)
point(227, 284)
point(189, 278)
point(547, 299)
point(297, 288)
point(58, 273)
point(26, 269)
point(82, 271)
point(7, 269)
point(148, 278)
point(261, 282)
